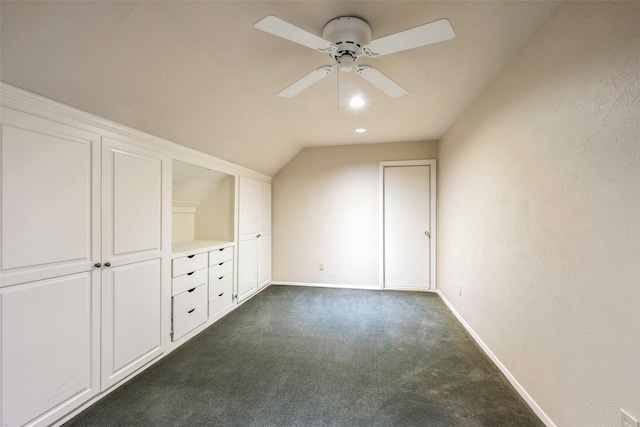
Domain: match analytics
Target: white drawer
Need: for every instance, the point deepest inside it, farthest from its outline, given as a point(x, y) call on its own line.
point(189, 321)
point(188, 281)
point(220, 255)
point(188, 264)
point(221, 269)
point(188, 300)
point(219, 303)
point(220, 284)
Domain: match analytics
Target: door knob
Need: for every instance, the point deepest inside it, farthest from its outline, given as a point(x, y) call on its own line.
point(426, 233)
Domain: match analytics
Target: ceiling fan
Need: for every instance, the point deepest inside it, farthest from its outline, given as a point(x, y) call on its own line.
point(348, 38)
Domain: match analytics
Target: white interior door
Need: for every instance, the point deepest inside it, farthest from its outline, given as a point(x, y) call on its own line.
point(407, 226)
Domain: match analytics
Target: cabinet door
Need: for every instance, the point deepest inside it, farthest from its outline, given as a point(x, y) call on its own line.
point(264, 260)
point(132, 243)
point(264, 239)
point(247, 268)
point(249, 208)
point(254, 263)
point(50, 339)
point(50, 215)
point(264, 210)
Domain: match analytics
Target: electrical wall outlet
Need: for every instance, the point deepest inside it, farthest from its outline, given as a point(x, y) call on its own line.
point(321, 265)
point(627, 420)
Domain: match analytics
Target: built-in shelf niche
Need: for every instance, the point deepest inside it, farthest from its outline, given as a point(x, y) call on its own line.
point(203, 204)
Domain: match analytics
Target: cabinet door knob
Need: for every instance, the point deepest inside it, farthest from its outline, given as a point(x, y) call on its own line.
point(97, 265)
point(107, 264)
point(258, 235)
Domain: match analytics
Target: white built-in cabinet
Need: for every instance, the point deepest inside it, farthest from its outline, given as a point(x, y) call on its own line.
point(81, 265)
point(202, 284)
point(188, 293)
point(254, 237)
point(50, 294)
point(203, 229)
point(132, 190)
point(94, 219)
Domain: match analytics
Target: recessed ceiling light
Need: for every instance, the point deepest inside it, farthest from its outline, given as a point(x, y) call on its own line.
point(356, 102)
point(361, 130)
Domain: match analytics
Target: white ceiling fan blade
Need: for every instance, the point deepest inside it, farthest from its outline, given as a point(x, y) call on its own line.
point(278, 27)
point(381, 81)
point(433, 32)
point(306, 81)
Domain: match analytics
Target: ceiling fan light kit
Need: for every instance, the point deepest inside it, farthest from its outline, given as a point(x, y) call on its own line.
point(348, 34)
point(348, 38)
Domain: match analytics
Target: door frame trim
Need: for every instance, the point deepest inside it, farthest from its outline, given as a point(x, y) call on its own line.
point(432, 222)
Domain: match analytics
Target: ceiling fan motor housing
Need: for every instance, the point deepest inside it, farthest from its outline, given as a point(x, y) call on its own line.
point(349, 34)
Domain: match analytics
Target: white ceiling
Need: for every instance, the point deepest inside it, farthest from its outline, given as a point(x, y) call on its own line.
point(199, 74)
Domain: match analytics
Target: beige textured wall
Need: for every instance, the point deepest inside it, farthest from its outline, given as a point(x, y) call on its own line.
point(325, 208)
point(539, 214)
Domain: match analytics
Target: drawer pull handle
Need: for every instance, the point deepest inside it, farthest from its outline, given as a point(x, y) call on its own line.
point(221, 263)
point(191, 290)
point(189, 274)
point(221, 277)
point(191, 311)
point(221, 294)
point(258, 235)
point(221, 249)
point(191, 256)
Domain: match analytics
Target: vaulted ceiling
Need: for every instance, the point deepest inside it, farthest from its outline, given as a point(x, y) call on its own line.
point(199, 74)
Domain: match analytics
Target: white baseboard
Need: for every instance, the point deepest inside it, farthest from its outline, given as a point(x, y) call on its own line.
point(324, 285)
point(532, 403)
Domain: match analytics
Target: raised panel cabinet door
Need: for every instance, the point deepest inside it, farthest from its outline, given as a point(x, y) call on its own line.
point(132, 197)
point(247, 268)
point(264, 260)
point(265, 209)
point(133, 188)
point(249, 208)
point(50, 208)
point(131, 324)
point(50, 348)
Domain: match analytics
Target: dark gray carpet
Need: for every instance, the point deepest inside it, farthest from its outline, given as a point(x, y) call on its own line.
point(307, 357)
